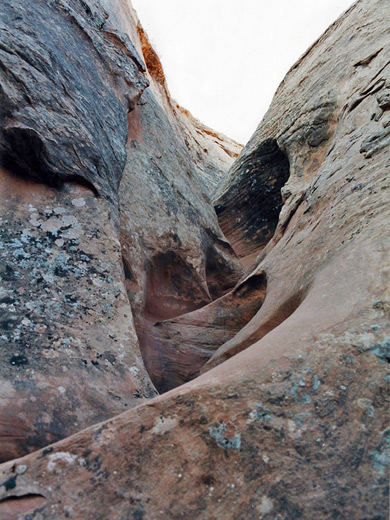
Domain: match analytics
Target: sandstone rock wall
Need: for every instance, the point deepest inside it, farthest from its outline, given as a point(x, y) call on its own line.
point(289, 418)
point(106, 221)
point(335, 136)
point(175, 257)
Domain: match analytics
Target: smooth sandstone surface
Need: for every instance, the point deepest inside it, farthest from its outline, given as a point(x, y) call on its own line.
point(335, 137)
point(175, 257)
point(289, 419)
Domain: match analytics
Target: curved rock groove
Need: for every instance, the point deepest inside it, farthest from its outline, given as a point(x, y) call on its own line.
point(175, 350)
point(12, 507)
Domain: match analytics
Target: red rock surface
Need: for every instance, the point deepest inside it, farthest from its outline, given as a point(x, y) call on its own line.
point(289, 419)
point(175, 257)
point(176, 349)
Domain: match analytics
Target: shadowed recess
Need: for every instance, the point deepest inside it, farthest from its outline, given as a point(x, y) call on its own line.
point(220, 276)
point(56, 124)
point(170, 288)
point(248, 213)
point(12, 507)
point(179, 347)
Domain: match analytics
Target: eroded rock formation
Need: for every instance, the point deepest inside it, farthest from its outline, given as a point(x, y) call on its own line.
point(111, 284)
point(88, 265)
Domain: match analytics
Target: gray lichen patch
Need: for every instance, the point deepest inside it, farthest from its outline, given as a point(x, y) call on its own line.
point(64, 313)
point(223, 439)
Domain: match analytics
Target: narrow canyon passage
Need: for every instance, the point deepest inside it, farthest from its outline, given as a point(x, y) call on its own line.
point(143, 253)
point(187, 319)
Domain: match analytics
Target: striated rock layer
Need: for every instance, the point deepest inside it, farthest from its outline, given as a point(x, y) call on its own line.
point(289, 417)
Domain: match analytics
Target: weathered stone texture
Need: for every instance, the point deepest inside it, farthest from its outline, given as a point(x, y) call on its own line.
point(68, 348)
point(65, 93)
point(75, 248)
point(249, 211)
point(175, 256)
point(334, 215)
point(289, 419)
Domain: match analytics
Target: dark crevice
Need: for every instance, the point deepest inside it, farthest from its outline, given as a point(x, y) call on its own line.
point(24, 154)
point(24, 158)
point(366, 61)
point(284, 311)
point(12, 507)
point(80, 181)
point(127, 270)
point(249, 212)
point(252, 283)
point(221, 275)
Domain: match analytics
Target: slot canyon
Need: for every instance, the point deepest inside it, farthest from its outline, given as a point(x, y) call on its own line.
point(191, 328)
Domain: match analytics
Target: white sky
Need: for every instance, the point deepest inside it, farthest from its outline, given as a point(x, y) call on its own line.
point(224, 59)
